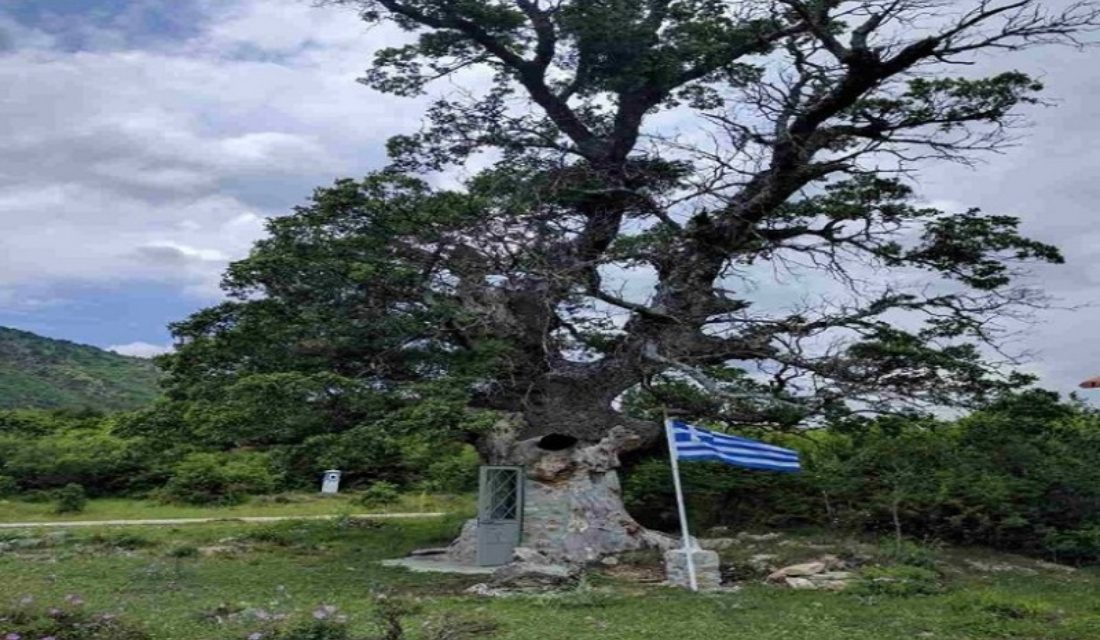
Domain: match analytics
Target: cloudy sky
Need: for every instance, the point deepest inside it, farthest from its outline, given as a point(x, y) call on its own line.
point(144, 142)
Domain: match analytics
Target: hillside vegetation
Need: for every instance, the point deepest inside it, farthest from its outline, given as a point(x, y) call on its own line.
point(38, 372)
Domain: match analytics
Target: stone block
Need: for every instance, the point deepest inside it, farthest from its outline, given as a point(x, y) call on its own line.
point(707, 574)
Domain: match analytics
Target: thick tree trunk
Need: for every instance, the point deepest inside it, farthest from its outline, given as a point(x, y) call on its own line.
point(573, 501)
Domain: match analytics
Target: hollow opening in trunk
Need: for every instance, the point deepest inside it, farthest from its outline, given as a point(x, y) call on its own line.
point(556, 442)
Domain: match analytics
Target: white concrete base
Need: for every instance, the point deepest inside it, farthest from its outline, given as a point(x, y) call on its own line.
point(707, 575)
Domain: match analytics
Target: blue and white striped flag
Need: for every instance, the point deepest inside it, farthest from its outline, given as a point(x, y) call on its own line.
point(693, 443)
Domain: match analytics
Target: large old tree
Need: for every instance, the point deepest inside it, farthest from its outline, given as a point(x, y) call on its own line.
point(654, 170)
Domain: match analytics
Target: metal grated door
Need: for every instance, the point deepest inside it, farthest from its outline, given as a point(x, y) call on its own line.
point(499, 514)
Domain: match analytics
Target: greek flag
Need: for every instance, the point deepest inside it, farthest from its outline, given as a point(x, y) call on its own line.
point(693, 443)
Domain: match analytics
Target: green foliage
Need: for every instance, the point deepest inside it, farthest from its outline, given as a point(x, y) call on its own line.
point(139, 452)
point(183, 551)
point(121, 540)
point(210, 478)
point(340, 362)
point(380, 494)
point(46, 450)
point(1022, 474)
point(67, 622)
point(37, 372)
point(8, 486)
point(452, 470)
point(1009, 608)
point(315, 630)
point(898, 581)
point(71, 499)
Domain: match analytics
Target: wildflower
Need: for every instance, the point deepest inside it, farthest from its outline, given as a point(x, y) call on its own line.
point(324, 612)
point(255, 635)
point(26, 600)
point(74, 599)
point(13, 636)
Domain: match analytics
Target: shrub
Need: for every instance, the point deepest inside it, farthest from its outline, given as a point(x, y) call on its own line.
point(183, 551)
point(67, 622)
point(1076, 545)
point(898, 581)
point(328, 624)
point(60, 449)
point(283, 534)
point(121, 540)
point(380, 494)
point(8, 486)
point(209, 478)
point(315, 630)
point(1021, 475)
point(70, 499)
point(454, 472)
point(1009, 608)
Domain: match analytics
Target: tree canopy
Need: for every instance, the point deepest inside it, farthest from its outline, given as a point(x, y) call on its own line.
point(645, 162)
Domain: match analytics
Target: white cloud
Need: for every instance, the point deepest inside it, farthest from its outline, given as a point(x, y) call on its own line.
point(140, 349)
point(160, 162)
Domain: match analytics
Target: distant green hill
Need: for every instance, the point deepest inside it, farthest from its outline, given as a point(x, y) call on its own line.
point(37, 372)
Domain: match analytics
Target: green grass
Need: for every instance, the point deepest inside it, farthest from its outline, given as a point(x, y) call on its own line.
point(282, 505)
point(178, 582)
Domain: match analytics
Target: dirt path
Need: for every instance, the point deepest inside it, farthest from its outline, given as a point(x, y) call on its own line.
point(172, 521)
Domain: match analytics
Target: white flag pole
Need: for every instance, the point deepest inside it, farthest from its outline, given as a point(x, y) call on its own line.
point(688, 550)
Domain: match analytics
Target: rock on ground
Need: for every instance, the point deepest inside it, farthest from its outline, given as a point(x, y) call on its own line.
point(529, 556)
point(529, 576)
point(824, 573)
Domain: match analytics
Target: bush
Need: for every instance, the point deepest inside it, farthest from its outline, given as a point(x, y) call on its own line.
point(56, 449)
point(453, 472)
point(380, 494)
point(8, 486)
point(1009, 608)
point(1075, 545)
point(327, 624)
point(315, 630)
point(209, 478)
point(67, 622)
point(121, 540)
point(183, 551)
point(283, 534)
point(899, 581)
point(70, 499)
point(1022, 475)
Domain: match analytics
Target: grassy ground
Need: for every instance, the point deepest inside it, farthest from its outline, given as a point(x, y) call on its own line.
point(280, 505)
point(210, 580)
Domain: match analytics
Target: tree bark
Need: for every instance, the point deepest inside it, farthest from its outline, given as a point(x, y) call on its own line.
point(573, 504)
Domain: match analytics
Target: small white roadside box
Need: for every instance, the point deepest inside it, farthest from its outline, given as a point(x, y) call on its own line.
point(331, 481)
